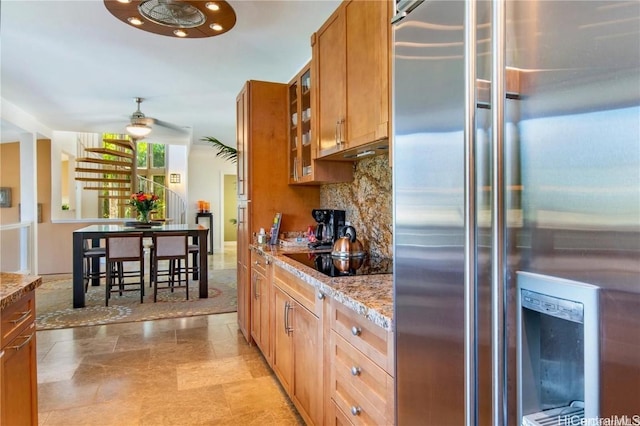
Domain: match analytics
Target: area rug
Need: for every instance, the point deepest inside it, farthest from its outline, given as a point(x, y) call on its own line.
point(54, 302)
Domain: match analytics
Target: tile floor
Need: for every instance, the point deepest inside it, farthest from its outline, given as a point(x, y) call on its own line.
point(184, 371)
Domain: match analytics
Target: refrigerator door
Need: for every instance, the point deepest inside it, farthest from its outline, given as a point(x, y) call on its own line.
point(578, 137)
point(429, 214)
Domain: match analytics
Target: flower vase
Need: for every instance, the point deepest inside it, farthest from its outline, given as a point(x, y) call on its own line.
point(143, 216)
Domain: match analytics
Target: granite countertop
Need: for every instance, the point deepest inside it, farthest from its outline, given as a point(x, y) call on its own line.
point(14, 286)
point(369, 295)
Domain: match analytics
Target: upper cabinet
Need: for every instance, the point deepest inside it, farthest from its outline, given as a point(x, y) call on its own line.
point(352, 68)
point(242, 139)
point(303, 168)
point(300, 126)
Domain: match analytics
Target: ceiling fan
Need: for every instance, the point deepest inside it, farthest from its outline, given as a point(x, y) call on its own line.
point(140, 125)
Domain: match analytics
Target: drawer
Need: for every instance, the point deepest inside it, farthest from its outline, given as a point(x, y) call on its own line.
point(17, 316)
point(373, 341)
point(303, 292)
point(335, 416)
point(363, 390)
point(259, 262)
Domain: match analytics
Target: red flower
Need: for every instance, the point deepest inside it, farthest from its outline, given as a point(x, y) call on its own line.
point(144, 202)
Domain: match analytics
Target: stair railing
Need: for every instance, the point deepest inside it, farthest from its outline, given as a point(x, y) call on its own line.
point(172, 204)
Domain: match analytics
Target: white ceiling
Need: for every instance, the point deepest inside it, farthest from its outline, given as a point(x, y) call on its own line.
point(74, 67)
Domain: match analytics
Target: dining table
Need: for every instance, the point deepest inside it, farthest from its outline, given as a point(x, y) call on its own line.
point(96, 233)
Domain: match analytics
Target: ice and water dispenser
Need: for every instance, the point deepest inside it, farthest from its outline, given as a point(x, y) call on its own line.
point(557, 350)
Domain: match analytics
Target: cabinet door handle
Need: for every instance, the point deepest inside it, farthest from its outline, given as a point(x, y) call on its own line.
point(355, 371)
point(356, 331)
point(340, 132)
point(21, 345)
point(337, 131)
point(284, 317)
point(255, 296)
point(257, 289)
point(22, 316)
point(321, 295)
point(288, 307)
point(356, 410)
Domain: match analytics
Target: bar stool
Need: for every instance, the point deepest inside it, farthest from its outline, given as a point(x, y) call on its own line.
point(194, 251)
point(172, 247)
point(88, 255)
point(122, 250)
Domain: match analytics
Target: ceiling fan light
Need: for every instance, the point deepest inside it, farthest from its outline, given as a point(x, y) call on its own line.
point(180, 33)
point(134, 20)
point(138, 130)
point(212, 6)
point(216, 27)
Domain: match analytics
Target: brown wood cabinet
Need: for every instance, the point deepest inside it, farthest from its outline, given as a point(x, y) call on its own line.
point(298, 341)
point(263, 182)
point(361, 370)
point(303, 166)
point(260, 301)
point(242, 280)
point(18, 373)
point(352, 68)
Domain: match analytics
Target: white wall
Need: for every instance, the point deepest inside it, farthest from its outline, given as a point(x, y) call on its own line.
point(205, 183)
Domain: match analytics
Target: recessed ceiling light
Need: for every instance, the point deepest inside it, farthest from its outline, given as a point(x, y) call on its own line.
point(135, 21)
point(180, 33)
point(216, 27)
point(212, 6)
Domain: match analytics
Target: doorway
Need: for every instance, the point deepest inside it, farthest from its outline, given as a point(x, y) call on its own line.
point(230, 208)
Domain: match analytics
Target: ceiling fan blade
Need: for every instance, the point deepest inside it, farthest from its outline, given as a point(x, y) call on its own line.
point(168, 125)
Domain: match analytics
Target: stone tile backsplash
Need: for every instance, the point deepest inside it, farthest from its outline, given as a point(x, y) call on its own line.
point(367, 202)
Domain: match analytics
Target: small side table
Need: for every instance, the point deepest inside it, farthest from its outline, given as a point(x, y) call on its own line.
point(210, 217)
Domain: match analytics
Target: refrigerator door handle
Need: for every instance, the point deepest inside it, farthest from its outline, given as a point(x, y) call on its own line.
point(470, 220)
point(498, 230)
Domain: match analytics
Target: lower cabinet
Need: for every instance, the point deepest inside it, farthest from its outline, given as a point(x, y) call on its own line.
point(260, 290)
point(18, 374)
point(297, 344)
point(361, 368)
point(335, 365)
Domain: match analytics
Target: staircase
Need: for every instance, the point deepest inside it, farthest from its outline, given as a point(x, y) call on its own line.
point(109, 167)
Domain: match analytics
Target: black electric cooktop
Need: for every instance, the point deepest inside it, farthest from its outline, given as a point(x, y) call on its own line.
point(323, 262)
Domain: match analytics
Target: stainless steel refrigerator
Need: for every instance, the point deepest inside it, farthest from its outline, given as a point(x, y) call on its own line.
point(516, 164)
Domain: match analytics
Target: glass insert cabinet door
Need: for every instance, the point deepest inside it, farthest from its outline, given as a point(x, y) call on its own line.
point(300, 127)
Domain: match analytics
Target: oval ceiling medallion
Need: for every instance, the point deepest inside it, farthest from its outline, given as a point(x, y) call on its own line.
point(194, 19)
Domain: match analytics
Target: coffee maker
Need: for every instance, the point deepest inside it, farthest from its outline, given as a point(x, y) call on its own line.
point(329, 222)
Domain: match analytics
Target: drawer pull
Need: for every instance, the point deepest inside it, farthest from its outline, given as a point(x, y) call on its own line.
point(355, 371)
point(27, 340)
point(356, 410)
point(356, 331)
point(23, 316)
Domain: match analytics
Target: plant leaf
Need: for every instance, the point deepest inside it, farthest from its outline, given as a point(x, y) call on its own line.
point(224, 151)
